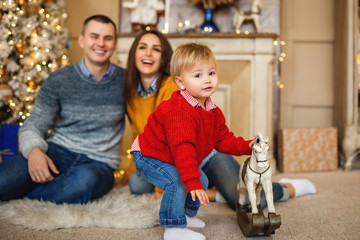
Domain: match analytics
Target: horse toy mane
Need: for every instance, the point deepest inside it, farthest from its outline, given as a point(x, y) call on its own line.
point(259, 152)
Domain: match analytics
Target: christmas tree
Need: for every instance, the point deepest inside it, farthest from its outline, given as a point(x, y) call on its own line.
point(33, 43)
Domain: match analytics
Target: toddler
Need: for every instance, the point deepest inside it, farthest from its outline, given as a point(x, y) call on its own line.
point(179, 134)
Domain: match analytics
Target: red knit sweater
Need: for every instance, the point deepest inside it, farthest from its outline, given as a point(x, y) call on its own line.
point(182, 135)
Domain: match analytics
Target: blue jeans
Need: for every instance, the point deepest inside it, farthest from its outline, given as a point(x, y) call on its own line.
point(222, 171)
point(81, 179)
point(176, 201)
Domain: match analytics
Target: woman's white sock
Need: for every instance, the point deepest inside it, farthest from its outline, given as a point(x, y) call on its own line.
point(219, 198)
point(182, 233)
point(194, 222)
point(301, 186)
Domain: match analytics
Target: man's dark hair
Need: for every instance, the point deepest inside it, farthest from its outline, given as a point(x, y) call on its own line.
point(98, 18)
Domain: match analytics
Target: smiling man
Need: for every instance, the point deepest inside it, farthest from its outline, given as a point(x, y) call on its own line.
point(98, 40)
point(83, 106)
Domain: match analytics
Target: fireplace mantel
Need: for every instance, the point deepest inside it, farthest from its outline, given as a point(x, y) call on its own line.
point(245, 66)
point(207, 35)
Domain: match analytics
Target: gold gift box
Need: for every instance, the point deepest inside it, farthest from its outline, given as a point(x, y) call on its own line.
point(307, 149)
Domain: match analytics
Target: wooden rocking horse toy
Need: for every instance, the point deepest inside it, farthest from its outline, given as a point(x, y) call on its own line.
point(254, 175)
point(253, 15)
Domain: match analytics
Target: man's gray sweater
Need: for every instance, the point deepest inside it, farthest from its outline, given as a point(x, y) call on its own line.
point(85, 116)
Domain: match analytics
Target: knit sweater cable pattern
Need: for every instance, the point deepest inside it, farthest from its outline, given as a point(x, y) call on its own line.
point(182, 135)
point(86, 116)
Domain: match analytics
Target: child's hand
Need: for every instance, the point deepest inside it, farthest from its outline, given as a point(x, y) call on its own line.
point(202, 196)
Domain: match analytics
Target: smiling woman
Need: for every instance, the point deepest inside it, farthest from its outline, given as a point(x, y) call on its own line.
point(148, 56)
point(147, 80)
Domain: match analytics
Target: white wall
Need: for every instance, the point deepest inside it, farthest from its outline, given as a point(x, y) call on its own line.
point(78, 11)
point(308, 29)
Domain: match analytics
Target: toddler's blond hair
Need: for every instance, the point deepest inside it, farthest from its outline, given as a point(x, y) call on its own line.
point(187, 55)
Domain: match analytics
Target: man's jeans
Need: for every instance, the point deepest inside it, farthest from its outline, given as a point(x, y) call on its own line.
point(81, 179)
point(176, 201)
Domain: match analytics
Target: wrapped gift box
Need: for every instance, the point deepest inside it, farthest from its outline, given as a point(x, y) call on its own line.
point(8, 141)
point(307, 149)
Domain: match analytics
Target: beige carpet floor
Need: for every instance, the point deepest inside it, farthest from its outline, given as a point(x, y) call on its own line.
point(332, 213)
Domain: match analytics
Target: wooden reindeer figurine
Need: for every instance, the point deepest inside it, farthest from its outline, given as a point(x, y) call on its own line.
point(254, 175)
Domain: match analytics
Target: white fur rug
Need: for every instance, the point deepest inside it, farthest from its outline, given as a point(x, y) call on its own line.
point(117, 209)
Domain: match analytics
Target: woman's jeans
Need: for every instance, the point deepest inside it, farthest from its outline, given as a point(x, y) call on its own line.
point(176, 201)
point(81, 179)
point(222, 171)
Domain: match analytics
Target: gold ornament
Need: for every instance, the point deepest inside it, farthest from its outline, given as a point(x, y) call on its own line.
point(53, 66)
point(49, 1)
point(64, 16)
point(32, 8)
point(36, 30)
point(64, 60)
point(3, 72)
point(20, 46)
point(1, 15)
point(27, 61)
point(32, 84)
point(23, 2)
point(5, 91)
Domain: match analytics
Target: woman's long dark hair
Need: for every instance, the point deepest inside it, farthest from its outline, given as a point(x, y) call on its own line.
point(132, 75)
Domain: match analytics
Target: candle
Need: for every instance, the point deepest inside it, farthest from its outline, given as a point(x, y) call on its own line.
point(167, 16)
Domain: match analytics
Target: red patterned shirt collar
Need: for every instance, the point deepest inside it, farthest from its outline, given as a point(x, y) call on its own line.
point(209, 105)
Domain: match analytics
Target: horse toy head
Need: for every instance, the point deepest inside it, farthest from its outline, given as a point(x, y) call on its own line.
point(260, 150)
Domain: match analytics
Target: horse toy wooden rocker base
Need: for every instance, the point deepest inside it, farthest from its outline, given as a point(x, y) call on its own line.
point(254, 175)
